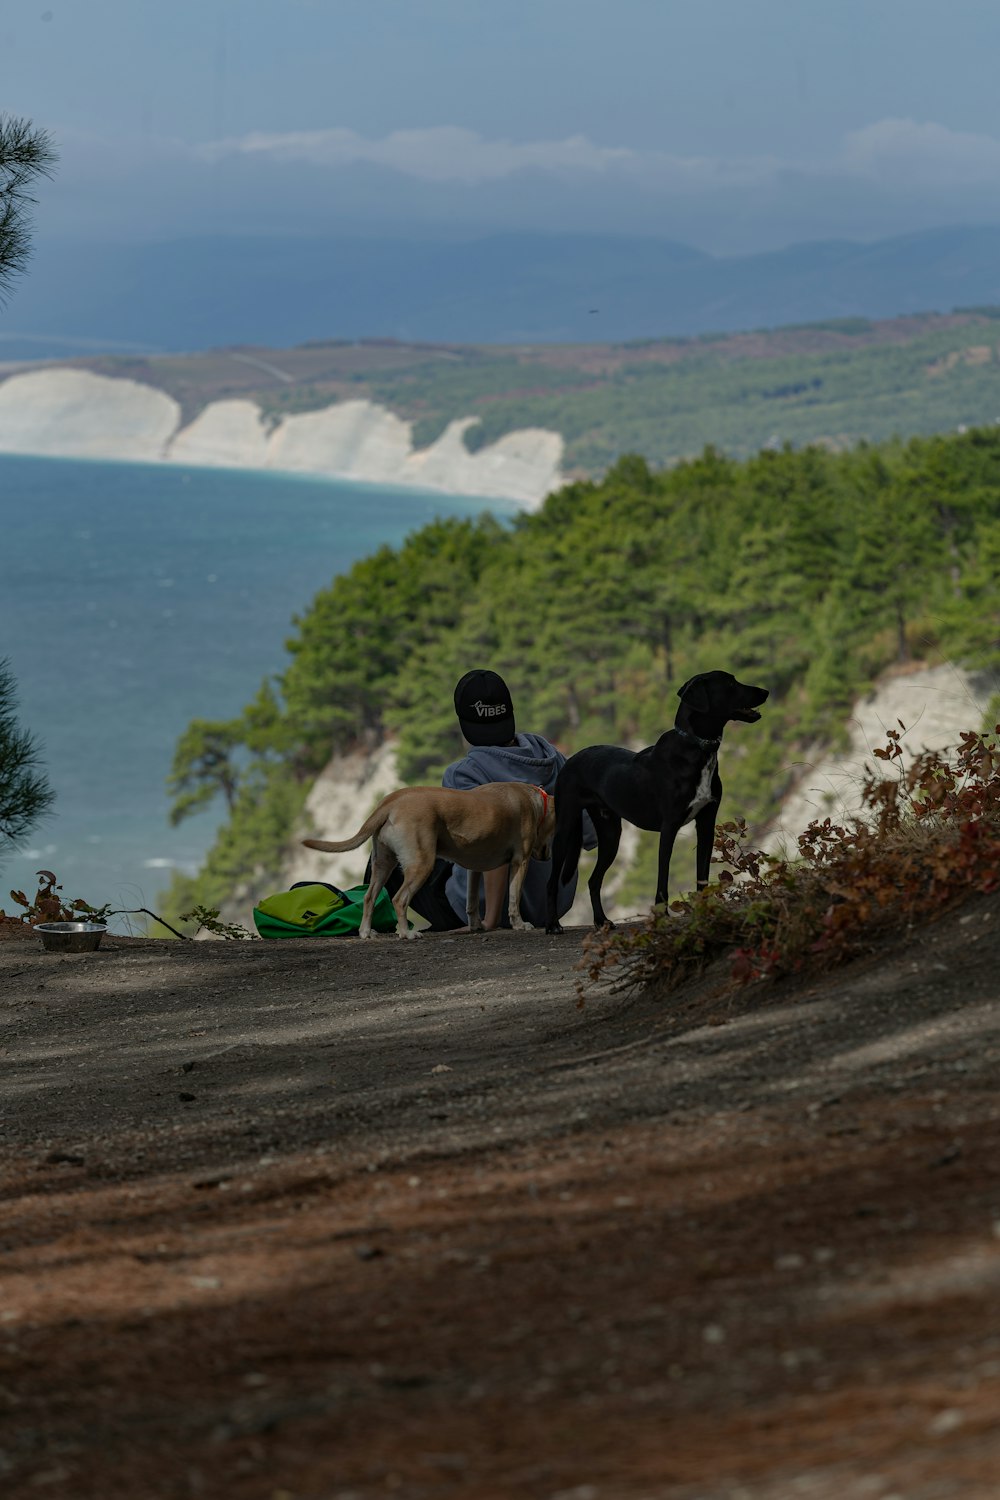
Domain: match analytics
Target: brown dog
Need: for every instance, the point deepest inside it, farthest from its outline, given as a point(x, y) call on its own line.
point(504, 822)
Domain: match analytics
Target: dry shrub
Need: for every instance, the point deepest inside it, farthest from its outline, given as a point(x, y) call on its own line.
point(48, 905)
point(927, 835)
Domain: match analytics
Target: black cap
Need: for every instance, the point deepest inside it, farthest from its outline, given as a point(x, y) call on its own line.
point(484, 708)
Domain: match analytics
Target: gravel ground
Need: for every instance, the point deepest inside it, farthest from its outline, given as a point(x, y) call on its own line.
point(326, 1219)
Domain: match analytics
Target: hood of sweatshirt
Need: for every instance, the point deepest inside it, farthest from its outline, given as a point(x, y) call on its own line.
point(532, 759)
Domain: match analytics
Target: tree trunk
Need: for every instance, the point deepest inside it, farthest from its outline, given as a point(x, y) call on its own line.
point(668, 650)
point(903, 646)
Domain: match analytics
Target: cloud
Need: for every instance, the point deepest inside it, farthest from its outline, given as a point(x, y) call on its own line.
point(888, 177)
point(905, 153)
point(444, 153)
point(895, 152)
point(450, 153)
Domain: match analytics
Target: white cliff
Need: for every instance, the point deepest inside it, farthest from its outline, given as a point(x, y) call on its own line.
point(353, 437)
point(225, 435)
point(77, 414)
point(512, 466)
point(74, 414)
point(936, 705)
point(341, 797)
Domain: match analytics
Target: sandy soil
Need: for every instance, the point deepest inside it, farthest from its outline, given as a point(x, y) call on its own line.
point(324, 1219)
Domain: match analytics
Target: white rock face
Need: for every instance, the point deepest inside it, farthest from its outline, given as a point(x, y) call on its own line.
point(342, 796)
point(937, 704)
point(513, 466)
point(226, 435)
point(77, 414)
point(353, 438)
point(74, 414)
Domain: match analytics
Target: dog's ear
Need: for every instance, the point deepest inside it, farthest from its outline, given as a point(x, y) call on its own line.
point(695, 694)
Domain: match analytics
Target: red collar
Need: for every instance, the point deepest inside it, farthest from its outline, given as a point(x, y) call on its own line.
point(545, 802)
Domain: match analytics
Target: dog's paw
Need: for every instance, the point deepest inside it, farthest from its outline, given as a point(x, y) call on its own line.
point(409, 936)
point(553, 928)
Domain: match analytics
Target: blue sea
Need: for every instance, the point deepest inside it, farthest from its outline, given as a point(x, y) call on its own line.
point(134, 598)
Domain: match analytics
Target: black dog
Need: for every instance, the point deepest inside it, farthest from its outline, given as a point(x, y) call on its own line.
point(660, 788)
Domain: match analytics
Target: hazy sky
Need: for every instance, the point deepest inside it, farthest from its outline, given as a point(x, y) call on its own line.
point(733, 124)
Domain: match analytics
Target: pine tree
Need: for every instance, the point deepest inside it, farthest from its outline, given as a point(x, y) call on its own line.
point(25, 794)
point(25, 153)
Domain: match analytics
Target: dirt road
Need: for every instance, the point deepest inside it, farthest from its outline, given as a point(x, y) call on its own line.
point(324, 1219)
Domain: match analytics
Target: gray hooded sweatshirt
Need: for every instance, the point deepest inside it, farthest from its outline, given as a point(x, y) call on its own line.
point(532, 759)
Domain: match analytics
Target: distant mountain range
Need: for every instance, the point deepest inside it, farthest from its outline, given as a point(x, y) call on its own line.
point(194, 294)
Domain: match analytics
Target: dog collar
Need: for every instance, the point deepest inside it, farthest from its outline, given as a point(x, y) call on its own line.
point(545, 802)
point(705, 744)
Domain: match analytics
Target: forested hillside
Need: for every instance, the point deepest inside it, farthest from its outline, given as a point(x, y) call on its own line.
point(809, 572)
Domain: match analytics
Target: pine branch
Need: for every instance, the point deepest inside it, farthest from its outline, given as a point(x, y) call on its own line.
point(26, 153)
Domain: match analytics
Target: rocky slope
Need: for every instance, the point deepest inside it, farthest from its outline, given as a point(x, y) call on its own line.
point(935, 705)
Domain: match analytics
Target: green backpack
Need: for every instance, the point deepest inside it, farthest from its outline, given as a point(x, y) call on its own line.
point(317, 910)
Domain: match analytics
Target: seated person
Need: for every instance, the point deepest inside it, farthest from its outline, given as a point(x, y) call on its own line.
point(496, 752)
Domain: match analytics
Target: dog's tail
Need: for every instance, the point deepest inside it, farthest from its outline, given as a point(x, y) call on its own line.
point(370, 826)
point(574, 845)
point(568, 840)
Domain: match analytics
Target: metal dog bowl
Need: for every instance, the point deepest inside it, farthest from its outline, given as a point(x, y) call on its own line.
point(70, 937)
